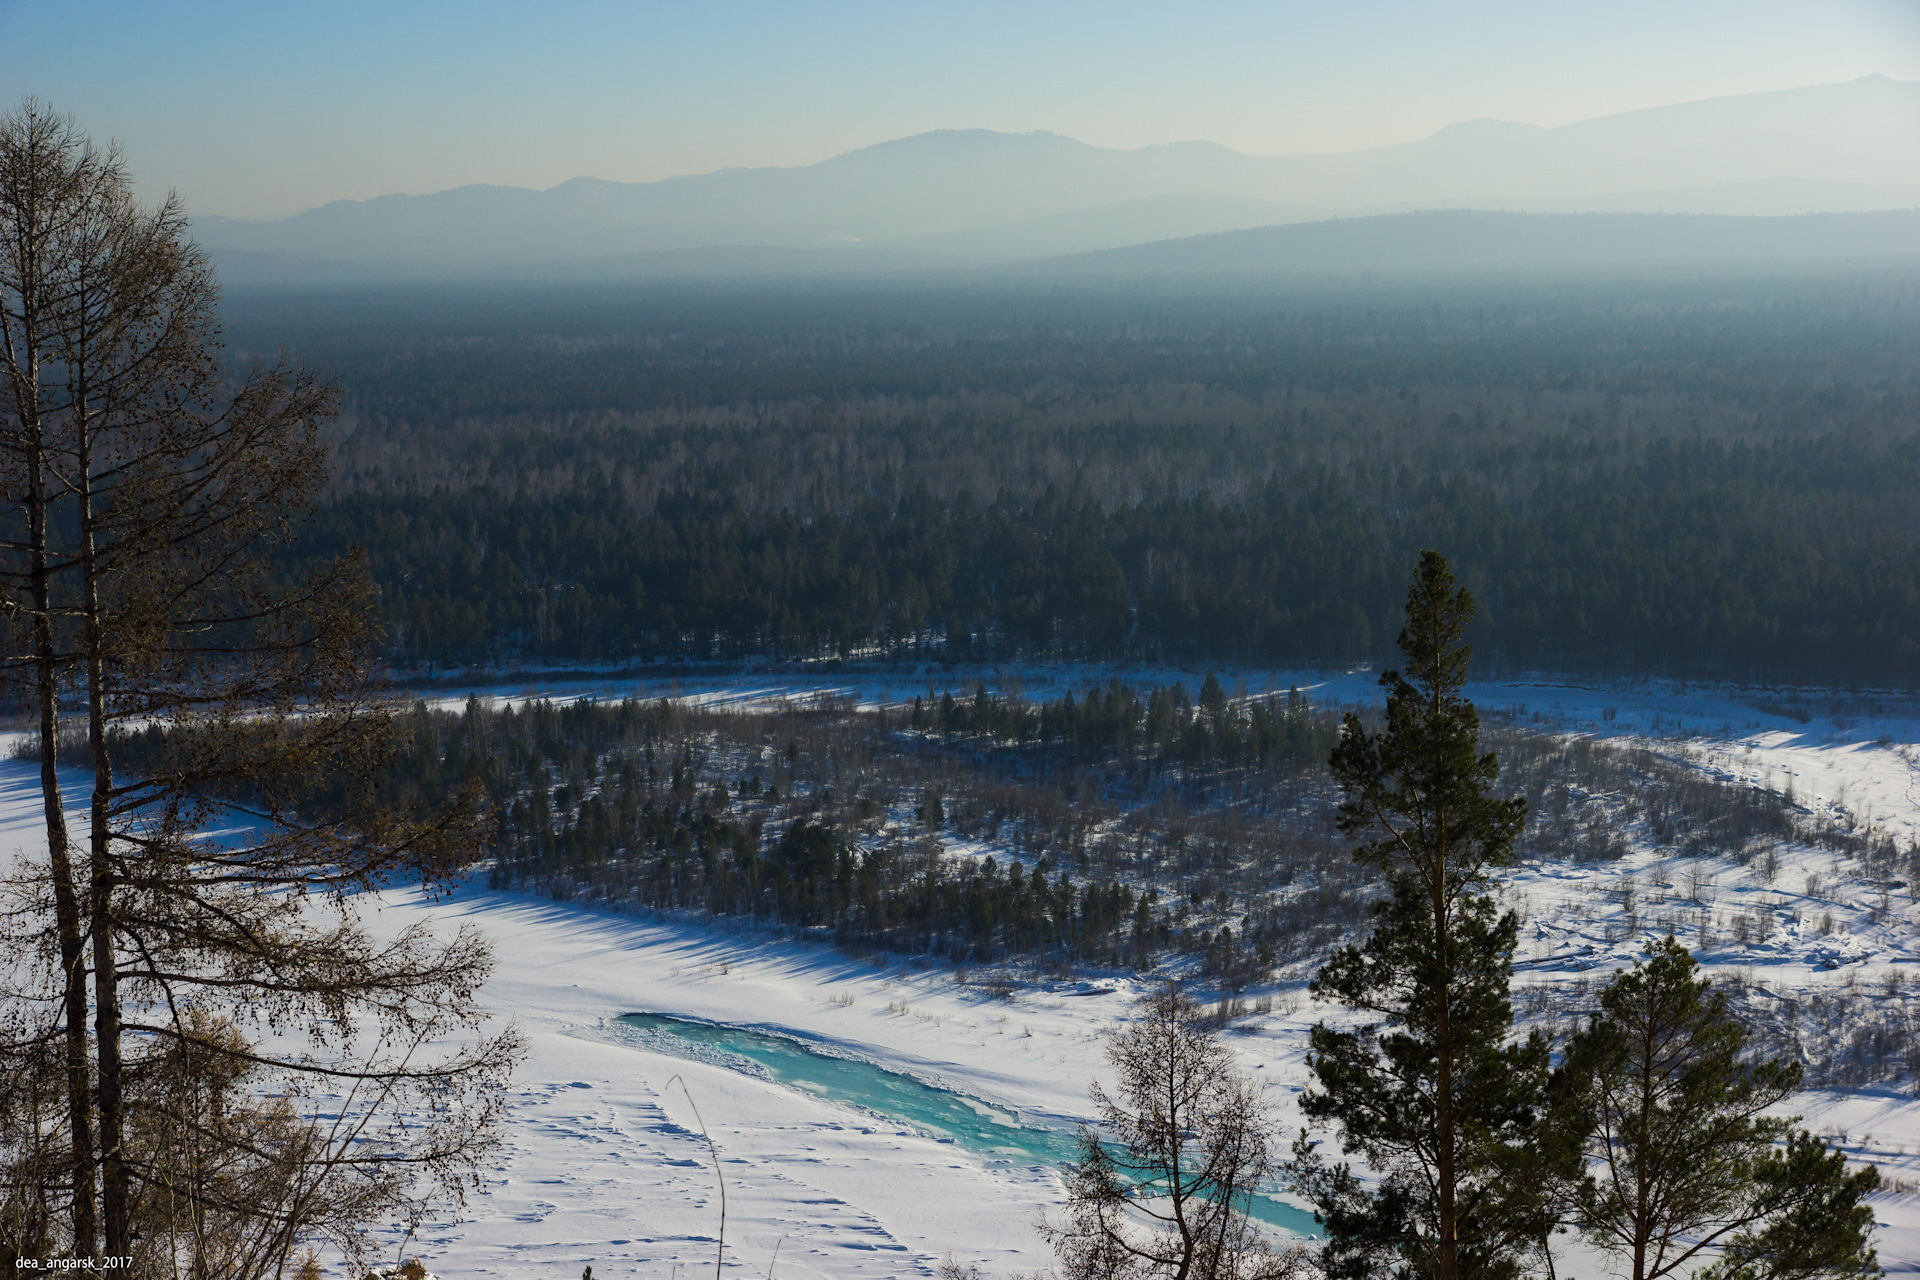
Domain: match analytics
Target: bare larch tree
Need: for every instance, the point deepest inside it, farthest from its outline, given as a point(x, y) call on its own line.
point(151, 495)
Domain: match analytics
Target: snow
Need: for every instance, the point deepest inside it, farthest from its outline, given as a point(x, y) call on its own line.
point(606, 1165)
point(604, 1162)
point(1826, 744)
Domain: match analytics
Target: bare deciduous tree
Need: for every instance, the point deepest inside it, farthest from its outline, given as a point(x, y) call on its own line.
point(1168, 1196)
point(50, 177)
point(151, 498)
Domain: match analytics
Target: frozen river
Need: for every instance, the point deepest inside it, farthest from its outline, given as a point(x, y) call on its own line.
point(979, 1126)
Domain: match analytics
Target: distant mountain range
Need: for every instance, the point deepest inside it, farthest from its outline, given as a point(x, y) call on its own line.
point(976, 198)
point(1480, 240)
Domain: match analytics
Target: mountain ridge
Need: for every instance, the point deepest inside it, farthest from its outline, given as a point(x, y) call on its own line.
point(974, 196)
point(1479, 239)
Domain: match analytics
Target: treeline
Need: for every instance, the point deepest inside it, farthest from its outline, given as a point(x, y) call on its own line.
point(837, 822)
point(1112, 825)
point(1714, 481)
point(1115, 719)
point(426, 355)
point(655, 804)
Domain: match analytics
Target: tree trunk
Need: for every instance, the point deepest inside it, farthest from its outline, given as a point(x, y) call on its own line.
point(66, 904)
point(1174, 1185)
point(1443, 1082)
point(1446, 1156)
point(1642, 1208)
point(23, 337)
point(106, 999)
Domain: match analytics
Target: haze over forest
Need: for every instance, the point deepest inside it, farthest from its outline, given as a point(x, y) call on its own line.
point(986, 395)
point(990, 395)
point(1065, 519)
point(972, 197)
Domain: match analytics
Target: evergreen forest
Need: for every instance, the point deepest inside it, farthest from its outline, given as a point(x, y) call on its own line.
point(1707, 478)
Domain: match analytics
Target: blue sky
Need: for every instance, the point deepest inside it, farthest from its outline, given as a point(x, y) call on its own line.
point(265, 108)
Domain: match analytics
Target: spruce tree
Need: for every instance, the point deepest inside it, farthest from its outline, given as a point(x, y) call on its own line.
point(1429, 1092)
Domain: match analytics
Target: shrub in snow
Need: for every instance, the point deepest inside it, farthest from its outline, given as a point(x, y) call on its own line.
point(411, 1269)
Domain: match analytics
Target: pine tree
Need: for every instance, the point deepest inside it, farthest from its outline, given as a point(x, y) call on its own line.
point(1430, 1092)
point(1684, 1160)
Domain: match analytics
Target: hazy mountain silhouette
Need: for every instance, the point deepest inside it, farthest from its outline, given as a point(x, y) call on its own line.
point(1475, 239)
point(972, 197)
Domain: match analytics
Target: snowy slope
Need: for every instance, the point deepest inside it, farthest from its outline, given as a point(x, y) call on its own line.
point(1579, 928)
point(605, 1164)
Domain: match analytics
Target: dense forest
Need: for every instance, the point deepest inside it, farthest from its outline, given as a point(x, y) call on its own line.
point(1103, 826)
point(1711, 477)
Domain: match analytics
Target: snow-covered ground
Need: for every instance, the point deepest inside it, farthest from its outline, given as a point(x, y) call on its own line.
point(1851, 749)
point(604, 1163)
point(607, 1167)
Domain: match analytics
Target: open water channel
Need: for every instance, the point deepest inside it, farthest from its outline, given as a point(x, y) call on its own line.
point(979, 1126)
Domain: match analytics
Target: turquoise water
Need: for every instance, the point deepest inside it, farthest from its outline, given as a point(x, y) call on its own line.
point(978, 1126)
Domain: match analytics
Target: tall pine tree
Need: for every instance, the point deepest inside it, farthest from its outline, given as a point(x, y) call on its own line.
point(1430, 1092)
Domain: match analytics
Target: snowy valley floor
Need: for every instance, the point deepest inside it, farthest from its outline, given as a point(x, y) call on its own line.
point(604, 1163)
